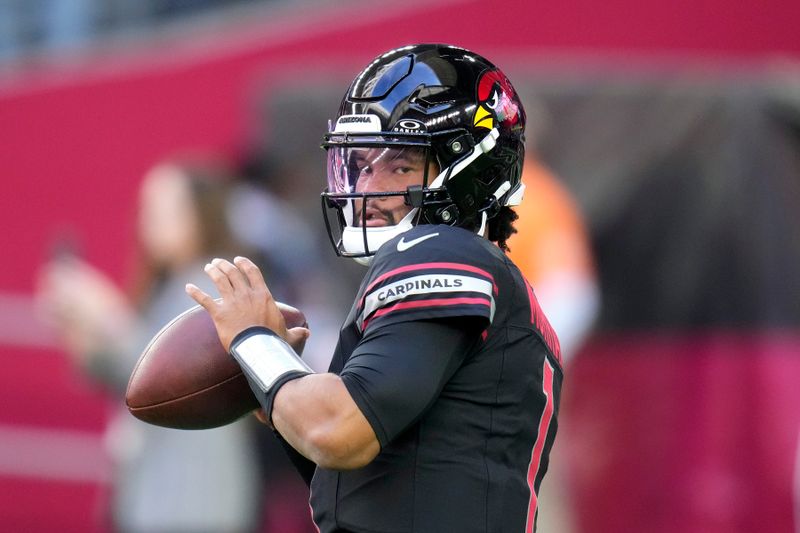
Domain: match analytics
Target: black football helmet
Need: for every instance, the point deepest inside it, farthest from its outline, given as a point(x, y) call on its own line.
point(444, 103)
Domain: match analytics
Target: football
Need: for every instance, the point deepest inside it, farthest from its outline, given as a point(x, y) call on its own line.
point(185, 379)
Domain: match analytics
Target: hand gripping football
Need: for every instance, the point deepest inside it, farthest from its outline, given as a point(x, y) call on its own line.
point(186, 380)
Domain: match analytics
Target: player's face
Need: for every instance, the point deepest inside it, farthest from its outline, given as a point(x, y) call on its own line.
point(388, 170)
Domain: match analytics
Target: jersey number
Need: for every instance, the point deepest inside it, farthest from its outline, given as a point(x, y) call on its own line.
point(541, 438)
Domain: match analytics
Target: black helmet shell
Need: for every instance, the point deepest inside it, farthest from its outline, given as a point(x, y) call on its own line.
point(457, 105)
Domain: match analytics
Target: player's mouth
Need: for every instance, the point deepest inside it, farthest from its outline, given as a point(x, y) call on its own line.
point(375, 218)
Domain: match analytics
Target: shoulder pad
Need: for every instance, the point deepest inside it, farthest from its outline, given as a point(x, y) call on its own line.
point(429, 272)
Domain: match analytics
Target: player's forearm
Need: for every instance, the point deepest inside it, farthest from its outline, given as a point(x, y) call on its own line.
point(319, 418)
point(313, 412)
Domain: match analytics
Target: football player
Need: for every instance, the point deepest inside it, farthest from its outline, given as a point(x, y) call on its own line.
point(439, 409)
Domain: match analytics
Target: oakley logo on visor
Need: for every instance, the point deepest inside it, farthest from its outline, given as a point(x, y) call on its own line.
point(409, 126)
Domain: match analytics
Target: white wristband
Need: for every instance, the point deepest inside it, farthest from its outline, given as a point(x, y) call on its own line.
point(265, 357)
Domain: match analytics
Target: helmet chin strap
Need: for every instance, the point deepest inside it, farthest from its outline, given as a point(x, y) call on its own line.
point(353, 236)
point(484, 219)
point(486, 145)
point(501, 190)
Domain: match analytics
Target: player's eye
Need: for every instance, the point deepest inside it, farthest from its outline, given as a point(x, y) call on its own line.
point(492, 102)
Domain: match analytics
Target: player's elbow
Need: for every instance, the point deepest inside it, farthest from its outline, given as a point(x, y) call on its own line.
point(323, 422)
point(335, 449)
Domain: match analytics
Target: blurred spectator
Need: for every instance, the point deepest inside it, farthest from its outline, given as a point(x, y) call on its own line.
point(270, 226)
point(263, 216)
point(165, 480)
point(286, 248)
point(552, 249)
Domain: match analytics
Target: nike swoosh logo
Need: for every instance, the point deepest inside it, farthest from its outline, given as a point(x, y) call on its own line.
point(403, 245)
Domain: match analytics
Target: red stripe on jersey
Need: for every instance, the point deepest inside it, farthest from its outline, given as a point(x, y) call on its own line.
point(424, 266)
point(434, 302)
point(539, 320)
point(311, 512)
point(311, 509)
point(538, 446)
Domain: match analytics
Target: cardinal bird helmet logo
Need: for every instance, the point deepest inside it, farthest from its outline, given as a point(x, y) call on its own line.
point(495, 102)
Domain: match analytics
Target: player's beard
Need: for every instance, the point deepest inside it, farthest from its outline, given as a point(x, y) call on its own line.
point(389, 216)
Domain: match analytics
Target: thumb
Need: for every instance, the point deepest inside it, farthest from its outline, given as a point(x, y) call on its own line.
point(297, 337)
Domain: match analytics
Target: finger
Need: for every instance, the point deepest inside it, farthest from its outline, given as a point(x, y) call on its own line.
point(261, 416)
point(219, 278)
point(297, 337)
point(253, 273)
point(199, 296)
point(237, 280)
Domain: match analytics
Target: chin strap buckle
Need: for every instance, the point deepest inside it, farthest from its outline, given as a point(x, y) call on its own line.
point(414, 195)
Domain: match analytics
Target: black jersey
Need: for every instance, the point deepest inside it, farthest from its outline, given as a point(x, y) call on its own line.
point(452, 362)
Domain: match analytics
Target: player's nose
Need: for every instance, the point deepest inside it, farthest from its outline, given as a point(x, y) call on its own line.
point(378, 182)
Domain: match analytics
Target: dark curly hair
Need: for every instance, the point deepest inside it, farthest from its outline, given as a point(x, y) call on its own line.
point(501, 227)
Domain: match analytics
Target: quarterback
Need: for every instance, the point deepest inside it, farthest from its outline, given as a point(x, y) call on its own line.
point(440, 406)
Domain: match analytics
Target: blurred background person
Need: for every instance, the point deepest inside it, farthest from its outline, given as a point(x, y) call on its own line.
point(285, 242)
point(284, 245)
point(552, 249)
point(164, 479)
